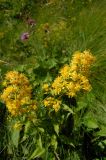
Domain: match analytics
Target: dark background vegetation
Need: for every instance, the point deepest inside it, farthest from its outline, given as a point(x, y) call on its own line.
point(60, 28)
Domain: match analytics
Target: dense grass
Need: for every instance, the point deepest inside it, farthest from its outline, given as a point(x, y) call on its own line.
point(62, 27)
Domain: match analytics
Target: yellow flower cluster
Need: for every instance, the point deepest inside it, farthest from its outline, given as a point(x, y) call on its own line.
point(45, 87)
point(17, 93)
point(51, 102)
point(82, 62)
point(73, 78)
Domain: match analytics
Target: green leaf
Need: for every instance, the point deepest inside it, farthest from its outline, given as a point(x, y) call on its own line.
point(37, 153)
point(91, 124)
point(25, 150)
point(66, 108)
point(102, 132)
point(41, 129)
point(54, 142)
point(104, 142)
point(81, 105)
point(27, 127)
point(56, 128)
point(39, 142)
point(15, 137)
point(101, 145)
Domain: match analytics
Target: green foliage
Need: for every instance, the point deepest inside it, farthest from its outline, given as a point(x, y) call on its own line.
point(78, 130)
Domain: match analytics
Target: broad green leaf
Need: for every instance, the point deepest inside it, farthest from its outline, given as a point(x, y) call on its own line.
point(91, 124)
point(81, 105)
point(41, 129)
point(37, 153)
point(15, 137)
point(66, 108)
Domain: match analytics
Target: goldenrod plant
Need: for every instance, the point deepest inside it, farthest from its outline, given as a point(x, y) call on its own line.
point(52, 80)
point(17, 93)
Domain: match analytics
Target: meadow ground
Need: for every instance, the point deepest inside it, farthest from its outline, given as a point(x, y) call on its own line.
point(53, 80)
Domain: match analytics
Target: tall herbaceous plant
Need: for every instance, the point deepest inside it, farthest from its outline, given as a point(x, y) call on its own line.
point(52, 80)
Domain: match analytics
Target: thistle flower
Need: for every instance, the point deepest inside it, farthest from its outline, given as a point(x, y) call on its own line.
point(25, 36)
point(31, 22)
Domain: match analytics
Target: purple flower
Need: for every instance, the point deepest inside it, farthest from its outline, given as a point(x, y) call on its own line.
point(31, 22)
point(25, 36)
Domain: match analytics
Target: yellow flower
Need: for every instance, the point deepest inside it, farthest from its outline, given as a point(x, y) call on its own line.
point(14, 77)
point(77, 87)
point(70, 89)
point(73, 67)
point(71, 94)
point(56, 105)
point(84, 79)
point(65, 71)
point(51, 102)
point(17, 125)
point(72, 79)
point(74, 76)
point(87, 87)
point(25, 100)
point(46, 103)
point(9, 93)
point(70, 86)
point(76, 57)
point(17, 94)
point(57, 85)
point(46, 87)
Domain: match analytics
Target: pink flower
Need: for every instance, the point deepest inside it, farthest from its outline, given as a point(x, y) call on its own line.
point(25, 36)
point(31, 22)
